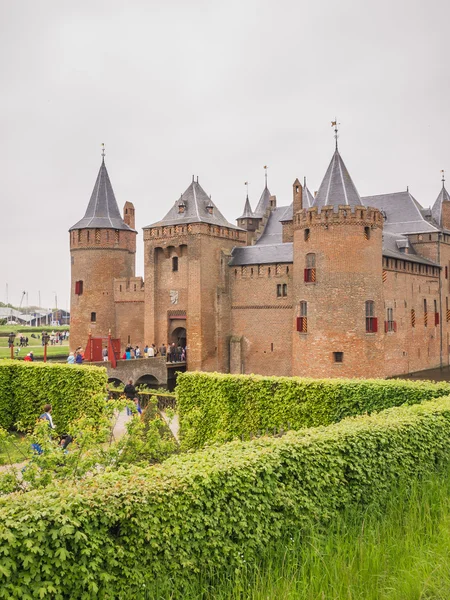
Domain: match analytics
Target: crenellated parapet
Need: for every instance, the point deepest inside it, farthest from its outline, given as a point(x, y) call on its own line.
point(343, 215)
point(168, 232)
point(129, 289)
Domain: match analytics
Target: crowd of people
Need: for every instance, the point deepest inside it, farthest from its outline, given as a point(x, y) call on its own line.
point(172, 352)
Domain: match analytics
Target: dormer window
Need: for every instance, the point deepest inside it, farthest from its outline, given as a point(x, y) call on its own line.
point(210, 208)
point(181, 207)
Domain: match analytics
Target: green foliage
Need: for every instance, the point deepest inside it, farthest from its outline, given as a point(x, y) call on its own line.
point(214, 407)
point(71, 390)
point(93, 450)
point(111, 535)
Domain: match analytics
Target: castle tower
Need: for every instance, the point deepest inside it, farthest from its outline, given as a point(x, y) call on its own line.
point(186, 288)
point(338, 282)
point(102, 247)
point(441, 208)
point(248, 221)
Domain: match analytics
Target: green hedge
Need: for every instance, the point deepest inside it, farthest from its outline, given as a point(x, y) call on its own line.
point(71, 390)
point(214, 407)
point(109, 536)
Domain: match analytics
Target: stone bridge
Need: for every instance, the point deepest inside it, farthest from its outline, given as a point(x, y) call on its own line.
point(150, 371)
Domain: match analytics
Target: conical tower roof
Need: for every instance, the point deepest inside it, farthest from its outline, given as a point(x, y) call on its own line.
point(337, 187)
point(248, 213)
point(263, 204)
point(436, 211)
point(198, 208)
point(102, 210)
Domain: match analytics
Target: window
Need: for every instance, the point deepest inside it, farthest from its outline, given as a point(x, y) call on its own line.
point(413, 317)
point(310, 271)
point(93, 317)
point(78, 288)
point(367, 233)
point(371, 320)
point(79, 235)
point(174, 263)
point(446, 272)
point(97, 236)
point(425, 313)
point(307, 232)
point(436, 314)
point(88, 235)
point(446, 310)
point(281, 290)
point(390, 325)
point(302, 320)
point(338, 357)
point(116, 236)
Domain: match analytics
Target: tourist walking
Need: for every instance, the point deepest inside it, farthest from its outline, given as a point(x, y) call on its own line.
point(105, 354)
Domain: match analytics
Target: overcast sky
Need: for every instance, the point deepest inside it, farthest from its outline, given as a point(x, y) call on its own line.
point(215, 89)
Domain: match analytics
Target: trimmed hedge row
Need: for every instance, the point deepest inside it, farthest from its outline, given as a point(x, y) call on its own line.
point(108, 536)
point(214, 407)
point(71, 390)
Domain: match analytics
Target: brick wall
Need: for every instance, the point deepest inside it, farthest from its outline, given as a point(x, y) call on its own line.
point(348, 272)
point(97, 258)
point(261, 318)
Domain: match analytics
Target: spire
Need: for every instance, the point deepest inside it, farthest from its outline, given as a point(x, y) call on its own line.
point(248, 213)
point(436, 211)
point(337, 187)
point(265, 173)
point(102, 210)
point(336, 130)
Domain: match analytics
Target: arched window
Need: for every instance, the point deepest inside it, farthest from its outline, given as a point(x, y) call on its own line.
point(371, 320)
point(310, 270)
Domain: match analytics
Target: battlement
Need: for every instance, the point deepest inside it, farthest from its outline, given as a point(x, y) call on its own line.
point(129, 289)
point(344, 215)
point(191, 229)
point(103, 239)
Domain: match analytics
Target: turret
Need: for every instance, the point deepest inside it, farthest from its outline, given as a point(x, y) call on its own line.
point(338, 282)
point(441, 208)
point(102, 248)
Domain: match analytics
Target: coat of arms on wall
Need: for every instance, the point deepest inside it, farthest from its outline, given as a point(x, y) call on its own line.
point(173, 296)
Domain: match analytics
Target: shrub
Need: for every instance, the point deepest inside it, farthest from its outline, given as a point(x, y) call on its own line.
point(108, 536)
point(71, 390)
point(215, 407)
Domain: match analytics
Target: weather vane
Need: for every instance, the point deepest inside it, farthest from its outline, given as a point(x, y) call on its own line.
point(265, 173)
point(335, 124)
point(246, 185)
point(103, 150)
point(443, 177)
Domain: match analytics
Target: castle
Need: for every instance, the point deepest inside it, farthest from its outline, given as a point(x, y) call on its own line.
point(333, 285)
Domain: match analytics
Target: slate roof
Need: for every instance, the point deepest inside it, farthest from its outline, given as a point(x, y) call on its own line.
point(196, 200)
point(307, 200)
point(337, 187)
point(102, 211)
point(436, 211)
point(262, 254)
point(392, 242)
point(273, 231)
point(263, 204)
point(403, 213)
point(248, 213)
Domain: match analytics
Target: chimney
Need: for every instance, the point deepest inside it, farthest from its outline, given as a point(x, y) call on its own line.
point(128, 214)
point(297, 196)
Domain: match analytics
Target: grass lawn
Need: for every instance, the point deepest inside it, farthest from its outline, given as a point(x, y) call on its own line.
point(397, 552)
point(35, 346)
point(27, 330)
